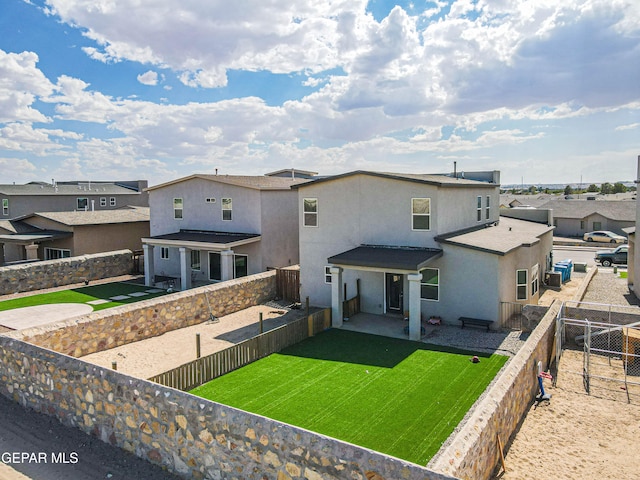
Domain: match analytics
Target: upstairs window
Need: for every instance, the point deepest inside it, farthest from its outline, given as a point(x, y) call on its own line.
point(5, 206)
point(327, 274)
point(112, 201)
point(103, 201)
point(521, 284)
point(420, 213)
point(479, 208)
point(177, 208)
point(227, 209)
point(488, 208)
point(82, 203)
point(310, 212)
point(430, 284)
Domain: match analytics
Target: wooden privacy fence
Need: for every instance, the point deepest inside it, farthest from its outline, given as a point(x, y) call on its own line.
point(288, 284)
point(202, 370)
point(352, 306)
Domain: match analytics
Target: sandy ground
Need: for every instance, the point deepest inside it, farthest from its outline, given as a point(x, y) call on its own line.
point(579, 436)
point(156, 355)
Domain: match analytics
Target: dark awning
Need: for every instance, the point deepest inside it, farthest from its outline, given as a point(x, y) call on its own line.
point(391, 258)
point(203, 239)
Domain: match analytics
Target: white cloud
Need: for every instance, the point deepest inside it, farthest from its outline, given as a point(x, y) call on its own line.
point(148, 78)
point(16, 170)
point(630, 126)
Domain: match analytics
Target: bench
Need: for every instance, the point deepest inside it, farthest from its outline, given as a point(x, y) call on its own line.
point(479, 322)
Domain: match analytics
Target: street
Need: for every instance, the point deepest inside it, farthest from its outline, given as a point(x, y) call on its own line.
point(581, 254)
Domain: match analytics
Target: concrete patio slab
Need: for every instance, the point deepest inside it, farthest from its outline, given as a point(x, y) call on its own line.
point(120, 297)
point(138, 294)
point(99, 301)
point(28, 317)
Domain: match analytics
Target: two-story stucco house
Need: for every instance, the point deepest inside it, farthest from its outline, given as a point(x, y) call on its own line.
point(210, 228)
point(429, 245)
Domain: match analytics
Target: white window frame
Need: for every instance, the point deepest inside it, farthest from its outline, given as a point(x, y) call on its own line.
point(488, 208)
point(103, 201)
point(307, 215)
point(196, 264)
point(414, 215)
point(479, 208)
point(164, 253)
point(535, 284)
point(176, 209)
point(227, 206)
point(524, 285)
point(5, 206)
point(427, 284)
point(86, 201)
point(112, 201)
point(60, 253)
point(327, 274)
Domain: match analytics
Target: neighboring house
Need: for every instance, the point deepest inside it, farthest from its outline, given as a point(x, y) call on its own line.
point(51, 235)
point(426, 245)
point(210, 228)
point(19, 200)
point(574, 218)
point(524, 201)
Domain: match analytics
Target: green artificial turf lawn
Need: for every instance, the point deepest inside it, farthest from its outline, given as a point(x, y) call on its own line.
point(82, 295)
point(398, 397)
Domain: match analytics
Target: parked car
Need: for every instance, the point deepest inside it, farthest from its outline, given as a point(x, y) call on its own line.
point(604, 236)
point(608, 257)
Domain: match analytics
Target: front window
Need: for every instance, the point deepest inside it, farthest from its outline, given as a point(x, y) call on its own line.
point(534, 279)
point(55, 253)
point(430, 284)
point(240, 266)
point(327, 274)
point(521, 284)
point(103, 201)
point(310, 212)
point(195, 259)
point(597, 225)
point(226, 209)
point(420, 213)
point(83, 203)
point(177, 208)
point(164, 253)
point(5, 206)
point(479, 208)
point(488, 208)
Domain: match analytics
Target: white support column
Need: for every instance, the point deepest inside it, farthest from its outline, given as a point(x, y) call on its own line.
point(226, 260)
point(149, 273)
point(336, 296)
point(415, 313)
point(185, 277)
point(32, 251)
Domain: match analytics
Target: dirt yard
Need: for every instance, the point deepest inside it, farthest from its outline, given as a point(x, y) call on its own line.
point(578, 436)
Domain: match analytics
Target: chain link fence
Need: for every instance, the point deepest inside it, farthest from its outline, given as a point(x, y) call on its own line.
point(607, 338)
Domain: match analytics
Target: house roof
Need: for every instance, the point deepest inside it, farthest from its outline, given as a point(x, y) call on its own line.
point(429, 179)
point(97, 217)
point(621, 210)
point(203, 238)
point(34, 236)
point(61, 189)
point(256, 182)
point(500, 238)
point(379, 256)
point(294, 171)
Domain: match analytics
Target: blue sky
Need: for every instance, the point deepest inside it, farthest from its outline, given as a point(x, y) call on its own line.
point(544, 91)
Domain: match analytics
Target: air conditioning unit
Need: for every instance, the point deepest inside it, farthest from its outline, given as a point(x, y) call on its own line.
point(553, 279)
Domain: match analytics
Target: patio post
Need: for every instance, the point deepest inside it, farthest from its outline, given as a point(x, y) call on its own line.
point(415, 325)
point(185, 278)
point(336, 296)
point(149, 273)
point(227, 260)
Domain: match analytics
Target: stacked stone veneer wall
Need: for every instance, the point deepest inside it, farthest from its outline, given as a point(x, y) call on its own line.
point(191, 436)
point(113, 327)
point(64, 271)
point(473, 453)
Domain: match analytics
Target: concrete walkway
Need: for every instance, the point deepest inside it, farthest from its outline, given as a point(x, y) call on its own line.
point(27, 317)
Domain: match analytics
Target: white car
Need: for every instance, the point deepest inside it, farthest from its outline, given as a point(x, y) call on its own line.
point(604, 236)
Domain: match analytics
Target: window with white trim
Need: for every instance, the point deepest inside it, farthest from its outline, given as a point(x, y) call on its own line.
point(310, 212)
point(82, 203)
point(103, 201)
point(5, 206)
point(534, 279)
point(327, 274)
point(164, 253)
point(430, 284)
point(177, 208)
point(240, 266)
point(479, 208)
point(55, 253)
point(195, 260)
point(488, 208)
point(227, 209)
point(522, 285)
point(420, 214)
point(112, 201)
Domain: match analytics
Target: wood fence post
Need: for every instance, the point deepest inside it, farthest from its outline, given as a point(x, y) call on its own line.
point(114, 365)
point(261, 327)
point(307, 305)
point(197, 345)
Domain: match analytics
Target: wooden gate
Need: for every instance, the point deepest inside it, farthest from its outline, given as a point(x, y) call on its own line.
point(288, 284)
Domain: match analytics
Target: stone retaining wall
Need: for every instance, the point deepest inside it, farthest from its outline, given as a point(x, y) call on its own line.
point(117, 326)
point(190, 436)
point(28, 277)
point(473, 453)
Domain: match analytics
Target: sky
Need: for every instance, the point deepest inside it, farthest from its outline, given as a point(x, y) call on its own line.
point(546, 91)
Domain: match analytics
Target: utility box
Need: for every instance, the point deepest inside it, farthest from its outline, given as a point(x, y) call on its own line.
point(580, 266)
